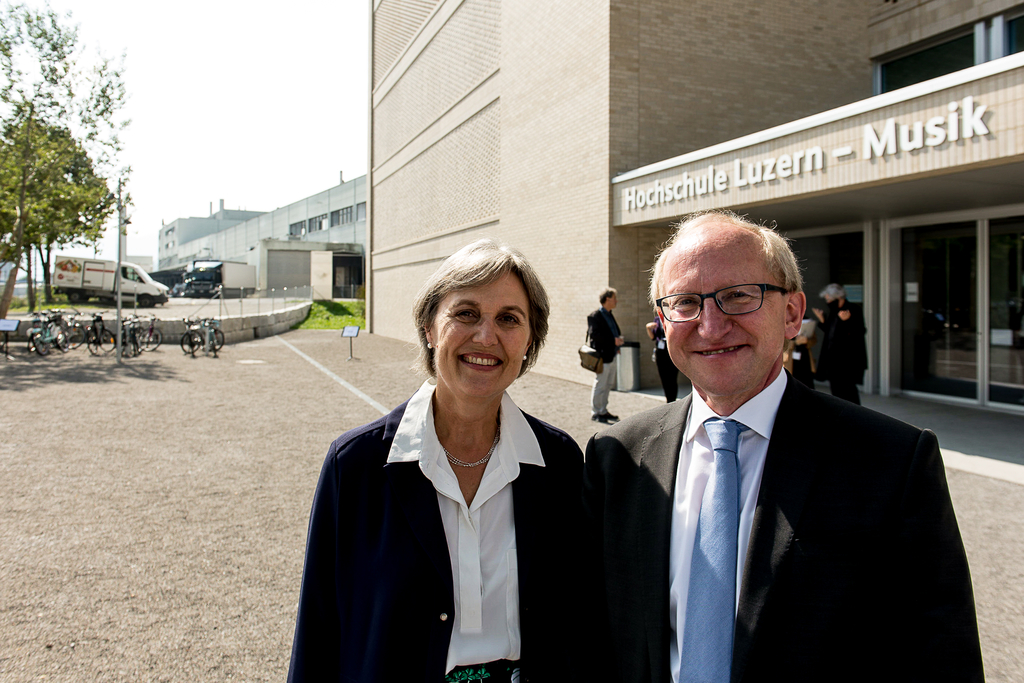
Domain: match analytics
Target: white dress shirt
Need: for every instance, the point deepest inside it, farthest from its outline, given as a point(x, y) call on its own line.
point(482, 536)
point(696, 464)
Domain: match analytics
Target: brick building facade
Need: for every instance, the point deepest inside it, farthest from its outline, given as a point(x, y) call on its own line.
point(530, 122)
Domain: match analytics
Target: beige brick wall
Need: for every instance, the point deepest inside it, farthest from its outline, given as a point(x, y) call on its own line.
point(452, 183)
point(395, 22)
point(554, 141)
point(583, 90)
point(455, 61)
point(706, 71)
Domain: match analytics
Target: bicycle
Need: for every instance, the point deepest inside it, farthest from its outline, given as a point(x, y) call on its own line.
point(151, 337)
point(98, 339)
point(202, 333)
point(191, 338)
point(76, 331)
point(46, 333)
point(131, 344)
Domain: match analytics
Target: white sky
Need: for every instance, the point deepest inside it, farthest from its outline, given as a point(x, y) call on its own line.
point(257, 103)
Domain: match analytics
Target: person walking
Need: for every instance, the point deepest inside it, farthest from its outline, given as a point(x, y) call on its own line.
point(844, 356)
point(606, 338)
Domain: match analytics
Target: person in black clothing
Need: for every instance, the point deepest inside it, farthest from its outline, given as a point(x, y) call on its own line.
point(606, 338)
point(844, 356)
point(667, 370)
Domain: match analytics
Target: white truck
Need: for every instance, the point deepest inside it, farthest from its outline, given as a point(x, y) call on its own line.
point(206, 278)
point(84, 278)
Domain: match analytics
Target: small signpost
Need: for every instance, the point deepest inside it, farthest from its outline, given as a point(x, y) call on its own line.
point(350, 331)
point(8, 325)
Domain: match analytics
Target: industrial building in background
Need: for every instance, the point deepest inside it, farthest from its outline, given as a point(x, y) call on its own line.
point(885, 138)
point(317, 242)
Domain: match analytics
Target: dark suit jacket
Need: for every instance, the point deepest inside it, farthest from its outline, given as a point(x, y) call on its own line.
point(601, 335)
point(377, 575)
point(855, 568)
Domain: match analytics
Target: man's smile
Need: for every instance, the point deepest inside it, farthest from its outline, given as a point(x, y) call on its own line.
point(717, 351)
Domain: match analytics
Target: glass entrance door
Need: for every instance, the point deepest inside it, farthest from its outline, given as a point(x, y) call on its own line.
point(1006, 300)
point(824, 259)
point(939, 333)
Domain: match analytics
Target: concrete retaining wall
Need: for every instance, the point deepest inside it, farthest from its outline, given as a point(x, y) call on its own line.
point(239, 328)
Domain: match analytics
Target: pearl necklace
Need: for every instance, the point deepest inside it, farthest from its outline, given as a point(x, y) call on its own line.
point(461, 463)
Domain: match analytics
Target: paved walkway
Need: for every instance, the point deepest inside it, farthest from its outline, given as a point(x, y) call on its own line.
point(153, 515)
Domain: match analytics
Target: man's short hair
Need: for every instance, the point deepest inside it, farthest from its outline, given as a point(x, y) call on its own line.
point(779, 258)
point(607, 293)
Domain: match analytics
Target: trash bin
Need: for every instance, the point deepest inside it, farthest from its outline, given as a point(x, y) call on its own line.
point(627, 367)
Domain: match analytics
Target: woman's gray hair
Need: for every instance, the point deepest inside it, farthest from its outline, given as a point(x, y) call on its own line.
point(476, 265)
point(779, 258)
point(834, 290)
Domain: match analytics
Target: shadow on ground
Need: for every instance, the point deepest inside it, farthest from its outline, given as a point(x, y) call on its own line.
point(25, 370)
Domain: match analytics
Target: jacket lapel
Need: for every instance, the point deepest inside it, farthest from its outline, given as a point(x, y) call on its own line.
point(788, 473)
point(417, 498)
point(655, 488)
point(525, 495)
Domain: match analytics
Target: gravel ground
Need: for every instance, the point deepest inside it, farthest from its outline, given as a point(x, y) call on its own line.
point(153, 515)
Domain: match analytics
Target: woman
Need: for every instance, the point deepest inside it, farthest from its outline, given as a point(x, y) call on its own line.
point(441, 536)
point(667, 370)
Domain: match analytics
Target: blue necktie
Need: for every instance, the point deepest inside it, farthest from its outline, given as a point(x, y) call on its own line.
point(711, 602)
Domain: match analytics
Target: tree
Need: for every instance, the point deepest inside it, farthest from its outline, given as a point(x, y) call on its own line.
point(60, 135)
point(74, 204)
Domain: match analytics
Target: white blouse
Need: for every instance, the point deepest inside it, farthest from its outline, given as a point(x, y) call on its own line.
point(482, 536)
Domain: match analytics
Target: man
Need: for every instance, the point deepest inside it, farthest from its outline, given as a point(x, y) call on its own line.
point(844, 356)
point(826, 549)
point(605, 337)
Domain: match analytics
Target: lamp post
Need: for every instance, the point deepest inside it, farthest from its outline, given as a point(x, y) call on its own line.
point(121, 249)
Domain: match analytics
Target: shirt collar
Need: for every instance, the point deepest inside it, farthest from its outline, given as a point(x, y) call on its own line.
point(758, 413)
point(416, 440)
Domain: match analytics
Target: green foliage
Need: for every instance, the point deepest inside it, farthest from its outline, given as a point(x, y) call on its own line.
point(59, 137)
point(333, 315)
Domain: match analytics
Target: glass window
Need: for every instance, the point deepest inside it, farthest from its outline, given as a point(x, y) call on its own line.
point(335, 218)
point(316, 223)
point(297, 228)
point(361, 211)
point(1014, 37)
point(930, 63)
point(1006, 302)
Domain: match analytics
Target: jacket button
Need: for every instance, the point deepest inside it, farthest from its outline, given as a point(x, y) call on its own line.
point(444, 616)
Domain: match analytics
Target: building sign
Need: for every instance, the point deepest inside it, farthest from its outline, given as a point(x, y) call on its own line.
point(931, 133)
point(966, 120)
point(956, 122)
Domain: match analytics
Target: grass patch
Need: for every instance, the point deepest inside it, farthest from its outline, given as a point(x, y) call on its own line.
point(19, 304)
point(334, 315)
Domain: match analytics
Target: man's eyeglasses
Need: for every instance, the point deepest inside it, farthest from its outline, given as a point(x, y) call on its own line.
point(735, 300)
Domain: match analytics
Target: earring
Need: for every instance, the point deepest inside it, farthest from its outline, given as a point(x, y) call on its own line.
point(524, 356)
point(429, 346)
